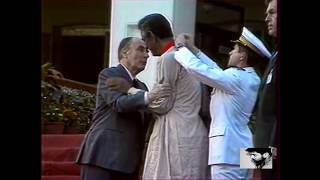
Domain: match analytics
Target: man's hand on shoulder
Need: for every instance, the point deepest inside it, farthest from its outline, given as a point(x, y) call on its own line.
point(118, 84)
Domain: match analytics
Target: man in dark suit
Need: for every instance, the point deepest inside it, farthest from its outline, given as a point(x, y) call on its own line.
point(113, 145)
point(267, 124)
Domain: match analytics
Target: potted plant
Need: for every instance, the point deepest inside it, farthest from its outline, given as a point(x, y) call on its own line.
point(65, 108)
point(72, 122)
point(51, 112)
point(79, 108)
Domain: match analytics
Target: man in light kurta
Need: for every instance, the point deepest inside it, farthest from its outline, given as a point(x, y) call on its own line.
point(178, 145)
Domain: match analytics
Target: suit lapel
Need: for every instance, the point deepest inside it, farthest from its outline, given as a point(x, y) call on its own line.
point(124, 73)
point(140, 85)
point(268, 70)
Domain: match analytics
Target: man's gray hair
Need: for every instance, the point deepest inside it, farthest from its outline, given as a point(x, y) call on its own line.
point(124, 45)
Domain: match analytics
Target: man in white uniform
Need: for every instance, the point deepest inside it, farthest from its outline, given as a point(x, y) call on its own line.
point(232, 99)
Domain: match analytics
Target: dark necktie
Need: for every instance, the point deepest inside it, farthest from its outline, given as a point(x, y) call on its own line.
point(135, 83)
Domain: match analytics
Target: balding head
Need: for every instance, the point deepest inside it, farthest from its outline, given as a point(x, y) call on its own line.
point(133, 54)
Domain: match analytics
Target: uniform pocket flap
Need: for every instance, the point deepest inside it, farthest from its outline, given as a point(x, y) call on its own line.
point(217, 131)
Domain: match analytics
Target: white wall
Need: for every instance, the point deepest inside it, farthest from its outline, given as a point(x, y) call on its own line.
point(125, 15)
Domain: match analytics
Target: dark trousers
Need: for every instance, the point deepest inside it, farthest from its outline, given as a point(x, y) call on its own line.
point(89, 172)
point(271, 174)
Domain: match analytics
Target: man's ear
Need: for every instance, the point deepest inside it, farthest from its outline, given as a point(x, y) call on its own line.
point(151, 36)
point(243, 56)
point(265, 155)
point(124, 53)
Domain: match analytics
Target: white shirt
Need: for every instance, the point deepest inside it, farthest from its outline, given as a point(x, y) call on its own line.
point(232, 99)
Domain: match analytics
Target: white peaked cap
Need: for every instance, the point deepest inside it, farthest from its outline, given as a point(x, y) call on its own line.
point(248, 39)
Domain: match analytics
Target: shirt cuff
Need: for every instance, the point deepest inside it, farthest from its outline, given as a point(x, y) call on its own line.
point(133, 90)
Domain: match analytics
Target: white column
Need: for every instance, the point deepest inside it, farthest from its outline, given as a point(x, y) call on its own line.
point(184, 16)
point(125, 15)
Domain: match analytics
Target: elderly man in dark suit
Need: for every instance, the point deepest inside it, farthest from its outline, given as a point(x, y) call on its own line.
point(112, 148)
